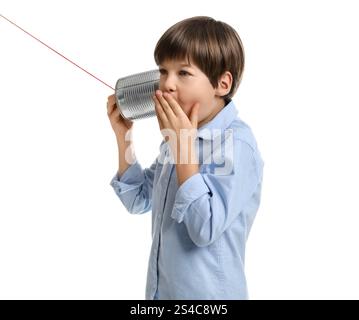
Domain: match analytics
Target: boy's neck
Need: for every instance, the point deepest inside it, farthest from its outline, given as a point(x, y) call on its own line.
point(220, 105)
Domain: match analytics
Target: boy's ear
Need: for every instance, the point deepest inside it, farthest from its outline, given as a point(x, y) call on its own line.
point(224, 84)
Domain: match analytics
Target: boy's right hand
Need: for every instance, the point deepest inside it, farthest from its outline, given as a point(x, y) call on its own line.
point(119, 124)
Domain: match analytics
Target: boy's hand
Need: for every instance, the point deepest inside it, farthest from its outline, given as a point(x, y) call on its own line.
point(171, 117)
point(119, 124)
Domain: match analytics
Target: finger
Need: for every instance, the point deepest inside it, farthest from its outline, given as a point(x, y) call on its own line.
point(161, 114)
point(165, 106)
point(194, 115)
point(157, 112)
point(160, 123)
point(175, 107)
point(159, 118)
point(111, 100)
point(110, 108)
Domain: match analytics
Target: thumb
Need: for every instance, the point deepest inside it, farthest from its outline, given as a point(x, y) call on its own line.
point(194, 115)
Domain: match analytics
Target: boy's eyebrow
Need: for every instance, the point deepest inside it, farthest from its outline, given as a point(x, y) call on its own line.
point(182, 65)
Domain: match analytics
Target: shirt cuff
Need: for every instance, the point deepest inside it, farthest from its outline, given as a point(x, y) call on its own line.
point(190, 190)
point(129, 180)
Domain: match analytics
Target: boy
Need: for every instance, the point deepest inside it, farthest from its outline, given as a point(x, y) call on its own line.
point(202, 208)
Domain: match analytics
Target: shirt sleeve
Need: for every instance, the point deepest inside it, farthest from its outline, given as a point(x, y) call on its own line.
point(207, 203)
point(134, 187)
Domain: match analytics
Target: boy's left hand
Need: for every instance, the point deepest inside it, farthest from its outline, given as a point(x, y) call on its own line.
point(172, 118)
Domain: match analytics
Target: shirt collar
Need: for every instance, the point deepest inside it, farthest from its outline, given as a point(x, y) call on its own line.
point(219, 123)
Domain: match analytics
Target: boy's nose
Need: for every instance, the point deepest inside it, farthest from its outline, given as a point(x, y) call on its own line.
point(169, 85)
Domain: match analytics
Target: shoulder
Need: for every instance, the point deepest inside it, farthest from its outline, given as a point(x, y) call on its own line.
point(243, 132)
point(245, 143)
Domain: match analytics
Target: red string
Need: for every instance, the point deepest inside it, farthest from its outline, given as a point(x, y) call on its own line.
point(56, 51)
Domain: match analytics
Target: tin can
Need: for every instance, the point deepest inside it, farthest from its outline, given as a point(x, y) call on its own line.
point(134, 94)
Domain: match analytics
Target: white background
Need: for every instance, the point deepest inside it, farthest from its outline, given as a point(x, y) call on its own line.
point(63, 232)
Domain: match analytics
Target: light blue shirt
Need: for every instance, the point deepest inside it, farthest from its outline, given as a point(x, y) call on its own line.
point(199, 230)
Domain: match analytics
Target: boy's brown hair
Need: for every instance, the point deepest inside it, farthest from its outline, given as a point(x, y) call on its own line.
point(214, 46)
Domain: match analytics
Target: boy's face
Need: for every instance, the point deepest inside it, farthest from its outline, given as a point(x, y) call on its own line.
point(188, 85)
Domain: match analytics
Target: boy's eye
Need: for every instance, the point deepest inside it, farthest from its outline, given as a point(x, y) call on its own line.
point(183, 73)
